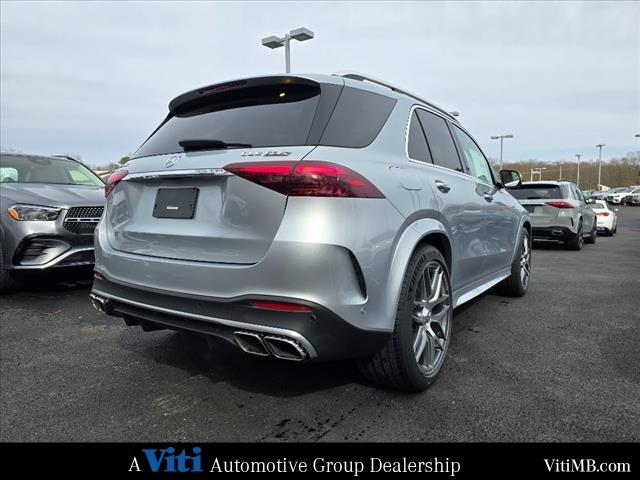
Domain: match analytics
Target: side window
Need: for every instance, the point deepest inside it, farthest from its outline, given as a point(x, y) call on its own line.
point(443, 150)
point(579, 194)
point(574, 192)
point(417, 147)
point(478, 165)
point(357, 118)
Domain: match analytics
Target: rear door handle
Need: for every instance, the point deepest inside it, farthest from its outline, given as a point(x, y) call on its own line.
point(443, 187)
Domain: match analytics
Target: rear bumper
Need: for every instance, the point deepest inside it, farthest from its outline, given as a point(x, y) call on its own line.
point(320, 334)
point(326, 252)
point(552, 233)
point(604, 224)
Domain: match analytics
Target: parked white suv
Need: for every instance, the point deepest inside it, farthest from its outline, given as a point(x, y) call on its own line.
point(618, 196)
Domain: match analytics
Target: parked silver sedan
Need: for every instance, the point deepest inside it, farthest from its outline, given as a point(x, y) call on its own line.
point(49, 209)
point(558, 211)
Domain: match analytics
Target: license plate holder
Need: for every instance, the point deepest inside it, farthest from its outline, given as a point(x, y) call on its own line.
point(175, 203)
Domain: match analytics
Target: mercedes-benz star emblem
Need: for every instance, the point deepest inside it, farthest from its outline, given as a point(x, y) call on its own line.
point(170, 162)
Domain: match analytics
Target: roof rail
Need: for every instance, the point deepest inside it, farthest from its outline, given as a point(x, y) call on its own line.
point(367, 78)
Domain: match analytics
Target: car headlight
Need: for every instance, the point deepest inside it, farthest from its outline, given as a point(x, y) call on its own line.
point(33, 212)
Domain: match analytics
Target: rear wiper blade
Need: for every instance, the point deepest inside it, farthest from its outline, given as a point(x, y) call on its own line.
point(209, 144)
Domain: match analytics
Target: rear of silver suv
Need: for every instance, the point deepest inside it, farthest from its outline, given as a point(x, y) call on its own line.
point(306, 218)
point(559, 212)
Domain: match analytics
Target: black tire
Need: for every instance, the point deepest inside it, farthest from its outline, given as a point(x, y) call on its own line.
point(395, 365)
point(577, 241)
point(593, 236)
point(515, 285)
point(8, 281)
point(615, 230)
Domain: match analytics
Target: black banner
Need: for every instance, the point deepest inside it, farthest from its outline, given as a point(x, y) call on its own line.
point(456, 460)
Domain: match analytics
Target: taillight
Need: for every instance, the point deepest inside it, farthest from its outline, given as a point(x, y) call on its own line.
point(285, 306)
point(560, 204)
point(602, 214)
point(113, 180)
point(307, 179)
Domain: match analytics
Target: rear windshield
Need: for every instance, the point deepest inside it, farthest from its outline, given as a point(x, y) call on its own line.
point(264, 116)
point(56, 171)
point(274, 116)
point(531, 192)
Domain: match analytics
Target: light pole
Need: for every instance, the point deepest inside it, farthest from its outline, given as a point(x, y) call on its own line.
point(501, 137)
point(540, 169)
point(637, 135)
point(560, 177)
point(599, 147)
point(578, 175)
point(537, 170)
point(301, 34)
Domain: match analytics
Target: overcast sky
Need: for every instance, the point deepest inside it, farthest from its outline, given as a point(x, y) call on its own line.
point(95, 78)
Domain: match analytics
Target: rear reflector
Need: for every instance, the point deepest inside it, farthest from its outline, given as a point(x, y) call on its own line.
point(602, 214)
point(286, 306)
point(560, 204)
point(307, 179)
point(113, 180)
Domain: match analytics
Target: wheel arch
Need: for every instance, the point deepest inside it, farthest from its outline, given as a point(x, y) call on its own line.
point(421, 232)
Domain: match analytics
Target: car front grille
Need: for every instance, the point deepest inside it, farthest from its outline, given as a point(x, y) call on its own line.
point(82, 220)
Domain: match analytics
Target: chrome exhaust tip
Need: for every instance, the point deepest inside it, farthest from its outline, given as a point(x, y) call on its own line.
point(101, 304)
point(285, 348)
point(251, 343)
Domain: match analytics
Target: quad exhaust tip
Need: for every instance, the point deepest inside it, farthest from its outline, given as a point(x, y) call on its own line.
point(101, 304)
point(285, 348)
point(251, 343)
point(280, 347)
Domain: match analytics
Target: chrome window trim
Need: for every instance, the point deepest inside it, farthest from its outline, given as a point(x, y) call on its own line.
point(433, 165)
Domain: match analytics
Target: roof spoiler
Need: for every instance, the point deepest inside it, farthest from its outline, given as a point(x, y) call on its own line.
point(203, 92)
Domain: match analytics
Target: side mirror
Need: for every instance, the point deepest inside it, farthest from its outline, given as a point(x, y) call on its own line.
point(510, 178)
point(590, 201)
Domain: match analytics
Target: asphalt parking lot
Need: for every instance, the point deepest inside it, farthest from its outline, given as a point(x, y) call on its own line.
point(561, 364)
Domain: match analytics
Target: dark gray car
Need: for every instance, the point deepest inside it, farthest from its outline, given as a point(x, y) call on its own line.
point(310, 217)
point(49, 209)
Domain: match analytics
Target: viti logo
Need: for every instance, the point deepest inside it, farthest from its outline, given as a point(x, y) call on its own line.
point(166, 460)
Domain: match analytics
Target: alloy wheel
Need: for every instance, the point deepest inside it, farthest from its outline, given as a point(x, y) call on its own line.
point(580, 235)
point(431, 318)
point(525, 265)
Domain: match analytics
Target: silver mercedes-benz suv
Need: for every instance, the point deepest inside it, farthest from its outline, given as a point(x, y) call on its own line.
point(559, 212)
point(310, 217)
point(49, 209)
